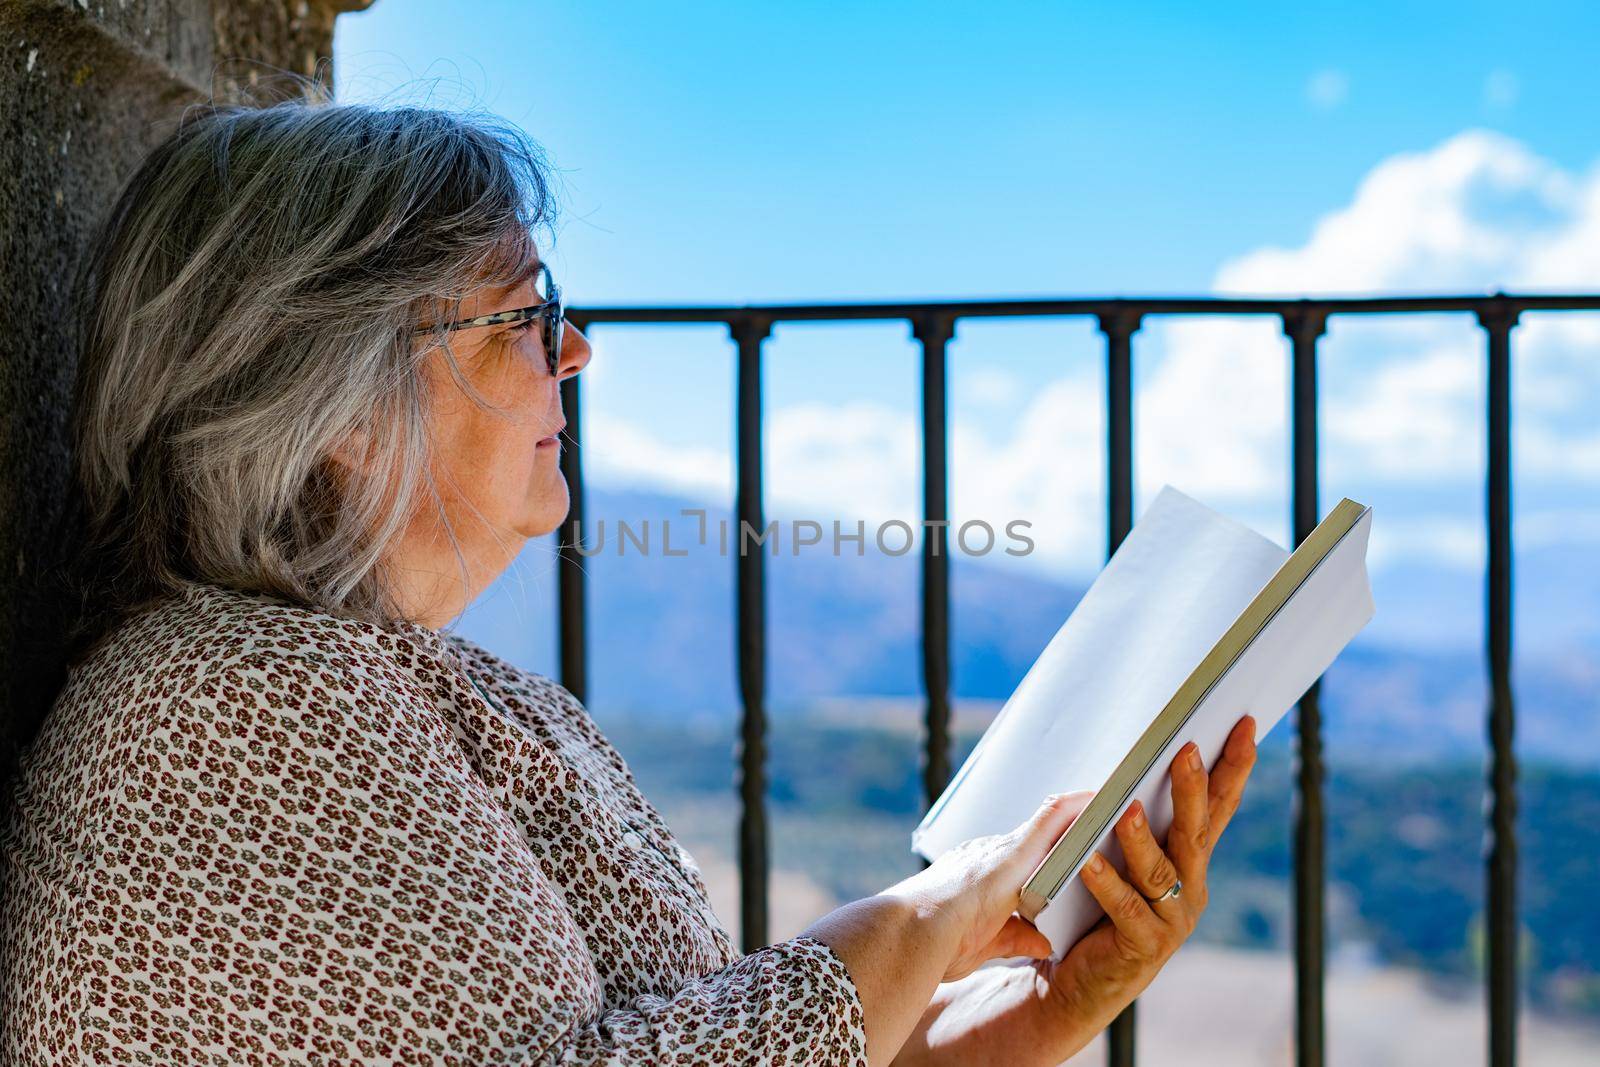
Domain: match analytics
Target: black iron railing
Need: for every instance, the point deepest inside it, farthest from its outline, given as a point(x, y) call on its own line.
point(933, 325)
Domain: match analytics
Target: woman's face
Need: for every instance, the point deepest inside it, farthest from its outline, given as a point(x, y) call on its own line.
point(505, 463)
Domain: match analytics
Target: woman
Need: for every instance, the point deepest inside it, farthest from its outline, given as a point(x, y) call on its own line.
point(277, 815)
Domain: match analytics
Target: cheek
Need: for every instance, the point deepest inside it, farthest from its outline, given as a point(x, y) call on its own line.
point(504, 456)
point(482, 454)
point(508, 469)
point(493, 457)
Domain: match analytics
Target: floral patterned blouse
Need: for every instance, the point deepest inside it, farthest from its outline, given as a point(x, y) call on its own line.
point(254, 833)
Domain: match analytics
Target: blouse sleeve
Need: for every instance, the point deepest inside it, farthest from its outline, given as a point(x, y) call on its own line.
point(298, 867)
point(789, 1003)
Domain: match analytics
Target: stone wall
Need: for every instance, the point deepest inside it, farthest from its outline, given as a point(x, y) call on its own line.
point(86, 87)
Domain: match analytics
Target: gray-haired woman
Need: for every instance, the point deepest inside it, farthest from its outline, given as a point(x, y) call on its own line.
point(277, 815)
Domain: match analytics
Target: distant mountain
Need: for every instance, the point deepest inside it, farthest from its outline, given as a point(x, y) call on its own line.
point(661, 635)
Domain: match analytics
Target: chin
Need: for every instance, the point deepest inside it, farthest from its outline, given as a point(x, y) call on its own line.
point(548, 513)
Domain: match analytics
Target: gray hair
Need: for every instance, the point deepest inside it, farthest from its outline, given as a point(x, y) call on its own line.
point(248, 304)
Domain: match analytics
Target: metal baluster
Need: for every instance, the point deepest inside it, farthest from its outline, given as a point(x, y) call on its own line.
point(1119, 328)
point(1497, 320)
point(934, 332)
point(572, 632)
point(1304, 328)
point(749, 332)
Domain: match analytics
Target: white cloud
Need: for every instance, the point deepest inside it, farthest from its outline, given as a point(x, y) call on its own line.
point(1432, 540)
point(991, 387)
point(623, 453)
point(856, 459)
point(1210, 415)
point(1410, 422)
point(1046, 468)
point(1576, 457)
point(1461, 542)
point(1327, 89)
point(1478, 212)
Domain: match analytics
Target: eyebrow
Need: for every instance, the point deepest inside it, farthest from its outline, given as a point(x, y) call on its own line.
point(525, 275)
point(528, 272)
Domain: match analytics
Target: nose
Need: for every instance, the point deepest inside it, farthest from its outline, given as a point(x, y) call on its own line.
point(575, 350)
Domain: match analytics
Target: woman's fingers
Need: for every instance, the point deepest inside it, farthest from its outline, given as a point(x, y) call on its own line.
point(1189, 840)
point(1149, 869)
point(1048, 822)
point(979, 884)
point(1229, 775)
point(1018, 937)
point(1128, 910)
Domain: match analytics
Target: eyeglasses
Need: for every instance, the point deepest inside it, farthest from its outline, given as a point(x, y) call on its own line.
point(547, 311)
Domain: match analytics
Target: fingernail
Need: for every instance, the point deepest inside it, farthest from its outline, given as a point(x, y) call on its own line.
point(1194, 756)
point(1096, 864)
point(1138, 816)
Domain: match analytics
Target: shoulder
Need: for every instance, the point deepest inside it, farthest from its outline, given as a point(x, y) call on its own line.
point(184, 639)
point(507, 677)
point(169, 670)
point(538, 702)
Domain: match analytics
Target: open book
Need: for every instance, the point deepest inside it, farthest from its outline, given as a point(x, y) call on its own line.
point(1195, 622)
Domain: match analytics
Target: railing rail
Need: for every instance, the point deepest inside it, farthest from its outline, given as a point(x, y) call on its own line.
point(1304, 322)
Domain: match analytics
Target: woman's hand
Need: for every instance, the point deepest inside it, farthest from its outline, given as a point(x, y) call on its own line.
point(1043, 1012)
point(941, 923)
point(978, 884)
point(1114, 962)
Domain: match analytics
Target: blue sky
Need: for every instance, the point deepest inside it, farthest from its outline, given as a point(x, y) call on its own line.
point(761, 152)
point(755, 151)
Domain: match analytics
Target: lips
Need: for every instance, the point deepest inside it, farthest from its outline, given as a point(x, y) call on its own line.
point(554, 437)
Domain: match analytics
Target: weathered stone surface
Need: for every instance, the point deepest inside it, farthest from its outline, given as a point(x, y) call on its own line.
point(85, 89)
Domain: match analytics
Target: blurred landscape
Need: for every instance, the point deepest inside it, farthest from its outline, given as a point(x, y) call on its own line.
point(1405, 886)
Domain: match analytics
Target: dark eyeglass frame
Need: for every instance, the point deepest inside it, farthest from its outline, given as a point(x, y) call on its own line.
point(551, 321)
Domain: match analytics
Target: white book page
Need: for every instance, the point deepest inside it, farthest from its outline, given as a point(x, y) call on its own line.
point(1178, 582)
point(1174, 586)
point(1294, 649)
